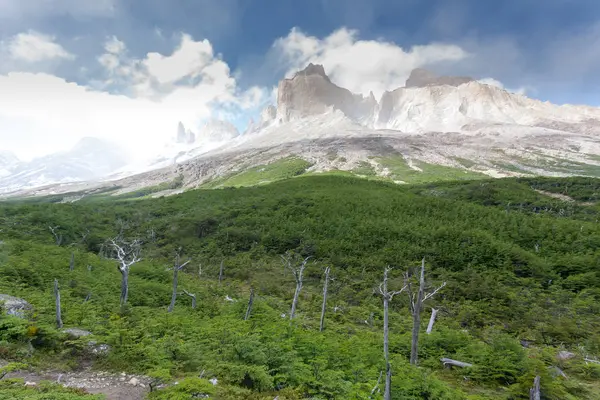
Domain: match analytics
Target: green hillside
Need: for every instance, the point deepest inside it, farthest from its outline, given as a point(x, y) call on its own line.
point(522, 266)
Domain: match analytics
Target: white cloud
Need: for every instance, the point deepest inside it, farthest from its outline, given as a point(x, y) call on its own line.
point(114, 46)
point(34, 47)
point(138, 105)
point(361, 65)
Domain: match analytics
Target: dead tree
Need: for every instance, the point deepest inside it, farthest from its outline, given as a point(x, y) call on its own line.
point(416, 305)
point(376, 387)
point(193, 296)
point(126, 254)
point(431, 320)
point(58, 238)
point(448, 362)
point(72, 262)
point(298, 272)
point(250, 303)
point(534, 392)
point(176, 268)
point(59, 323)
point(324, 306)
point(221, 271)
point(83, 238)
point(387, 297)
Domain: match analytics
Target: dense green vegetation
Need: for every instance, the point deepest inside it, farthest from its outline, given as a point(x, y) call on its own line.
point(262, 174)
point(519, 265)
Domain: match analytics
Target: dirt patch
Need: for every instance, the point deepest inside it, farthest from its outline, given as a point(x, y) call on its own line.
point(558, 196)
point(113, 386)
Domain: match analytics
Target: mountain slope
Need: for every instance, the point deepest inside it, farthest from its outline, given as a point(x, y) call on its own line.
point(89, 159)
point(520, 266)
point(454, 123)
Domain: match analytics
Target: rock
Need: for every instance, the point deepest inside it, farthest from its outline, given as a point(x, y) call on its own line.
point(142, 385)
point(76, 332)
point(99, 349)
point(14, 305)
point(311, 92)
point(214, 381)
point(134, 381)
point(27, 383)
point(565, 355)
point(420, 77)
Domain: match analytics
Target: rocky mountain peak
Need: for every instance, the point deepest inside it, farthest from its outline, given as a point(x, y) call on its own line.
point(184, 135)
point(420, 77)
point(313, 69)
point(311, 92)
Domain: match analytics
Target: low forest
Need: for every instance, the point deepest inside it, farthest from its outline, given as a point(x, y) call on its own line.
point(511, 271)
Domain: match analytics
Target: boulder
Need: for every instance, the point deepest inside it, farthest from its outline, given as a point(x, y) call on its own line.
point(14, 305)
point(98, 348)
point(76, 332)
point(565, 355)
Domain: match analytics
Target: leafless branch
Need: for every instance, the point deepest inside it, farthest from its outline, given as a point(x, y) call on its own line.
point(58, 238)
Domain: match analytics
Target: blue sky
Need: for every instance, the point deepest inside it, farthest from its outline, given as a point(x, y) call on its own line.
point(548, 49)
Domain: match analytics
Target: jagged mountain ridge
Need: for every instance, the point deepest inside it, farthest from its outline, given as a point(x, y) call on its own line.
point(453, 122)
point(427, 103)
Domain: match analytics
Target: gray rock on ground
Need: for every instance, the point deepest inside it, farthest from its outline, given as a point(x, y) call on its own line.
point(14, 305)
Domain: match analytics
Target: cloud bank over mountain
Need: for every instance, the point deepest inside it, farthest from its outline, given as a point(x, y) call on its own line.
point(131, 71)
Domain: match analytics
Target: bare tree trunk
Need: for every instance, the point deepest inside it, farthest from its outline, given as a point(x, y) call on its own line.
point(431, 320)
point(386, 352)
point(324, 306)
point(174, 295)
point(193, 296)
point(298, 272)
point(534, 392)
point(414, 348)
point(295, 301)
point(250, 302)
point(387, 297)
point(448, 362)
point(59, 323)
point(124, 285)
point(127, 254)
point(221, 271)
point(72, 262)
point(376, 387)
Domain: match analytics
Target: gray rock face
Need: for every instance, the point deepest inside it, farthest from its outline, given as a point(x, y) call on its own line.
point(14, 305)
point(565, 355)
point(311, 92)
point(420, 77)
point(76, 332)
point(184, 135)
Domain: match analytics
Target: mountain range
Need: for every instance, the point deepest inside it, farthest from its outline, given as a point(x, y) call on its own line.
point(433, 127)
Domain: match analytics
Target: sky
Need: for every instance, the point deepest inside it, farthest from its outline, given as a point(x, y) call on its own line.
point(130, 70)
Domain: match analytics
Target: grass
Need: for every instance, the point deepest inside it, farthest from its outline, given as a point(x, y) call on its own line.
point(364, 169)
point(262, 174)
point(401, 171)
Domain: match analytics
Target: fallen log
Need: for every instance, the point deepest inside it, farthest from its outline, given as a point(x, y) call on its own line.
point(448, 362)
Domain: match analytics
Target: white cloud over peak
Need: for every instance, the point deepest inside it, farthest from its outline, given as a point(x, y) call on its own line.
point(32, 47)
point(138, 104)
point(361, 65)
